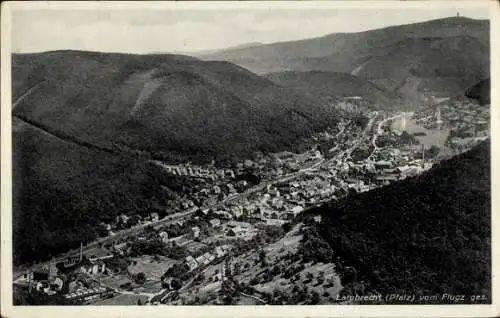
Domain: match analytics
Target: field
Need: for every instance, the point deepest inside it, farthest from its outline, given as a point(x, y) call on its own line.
point(153, 269)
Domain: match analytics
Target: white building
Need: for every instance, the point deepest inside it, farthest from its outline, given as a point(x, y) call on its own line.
point(297, 209)
point(191, 263)
point(215, 222)
point(164, 236)
point(196, 231)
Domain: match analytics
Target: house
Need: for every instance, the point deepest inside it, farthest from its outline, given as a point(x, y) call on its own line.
point(381, 164)
point(164, 236)
point(234, 224)
point(41, 286)
point(248, 163)
point(223, 214)
point(205, 259)
point(123, 218)
point(387, 171)
point(277, 203)
point(215, 222)
point(97, 254)
point(196, 231)
point(155, 217)
point(230, 188)
point(221, 174)
point(294, 185)
point(274, 192)
point(242, 183)
point(120, 248)
point(237, 230)
point(297, 209)
point(191, 263)
point(250, 208)
point(187, 204)
point(106, 226)
point(229, 173)
point(385, 180)
point(266, 197)
point(294, 195)
point(93, 269)
point(275, 222)
point(237, 211)
point(219, 251)
point(211, 257)
point(58, 282)
point(27, 276)
point(73, 286)
point(200, 259)
point(86, 295)
point(216, 189)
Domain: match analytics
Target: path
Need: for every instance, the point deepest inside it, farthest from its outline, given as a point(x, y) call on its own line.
point(29, 91)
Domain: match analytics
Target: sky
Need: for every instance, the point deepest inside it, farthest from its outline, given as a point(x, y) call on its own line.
point(189, 30)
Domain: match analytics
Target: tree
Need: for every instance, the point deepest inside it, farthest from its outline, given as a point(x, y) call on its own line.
point(149, 229)
point(140, 278)
point(433, 151)
point(314, 298)
point(175, 284)
point(262, 257)
point(309, 276)
point(287, 227)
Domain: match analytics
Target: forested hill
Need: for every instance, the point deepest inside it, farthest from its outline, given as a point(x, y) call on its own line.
point(175, 106)
point(62, 190)
point(426, 235)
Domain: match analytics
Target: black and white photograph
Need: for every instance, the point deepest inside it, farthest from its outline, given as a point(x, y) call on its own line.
point(284, 154)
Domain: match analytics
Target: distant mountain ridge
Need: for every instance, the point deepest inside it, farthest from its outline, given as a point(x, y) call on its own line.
point(236, 47)
point(176, 105)
point(408, 59)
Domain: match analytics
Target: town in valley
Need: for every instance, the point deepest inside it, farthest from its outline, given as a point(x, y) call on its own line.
point(225, 243)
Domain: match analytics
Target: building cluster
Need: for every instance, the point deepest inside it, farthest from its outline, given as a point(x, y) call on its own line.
point(73, 272)
point(207, 258)
point(86, 295)
point(189, 170)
